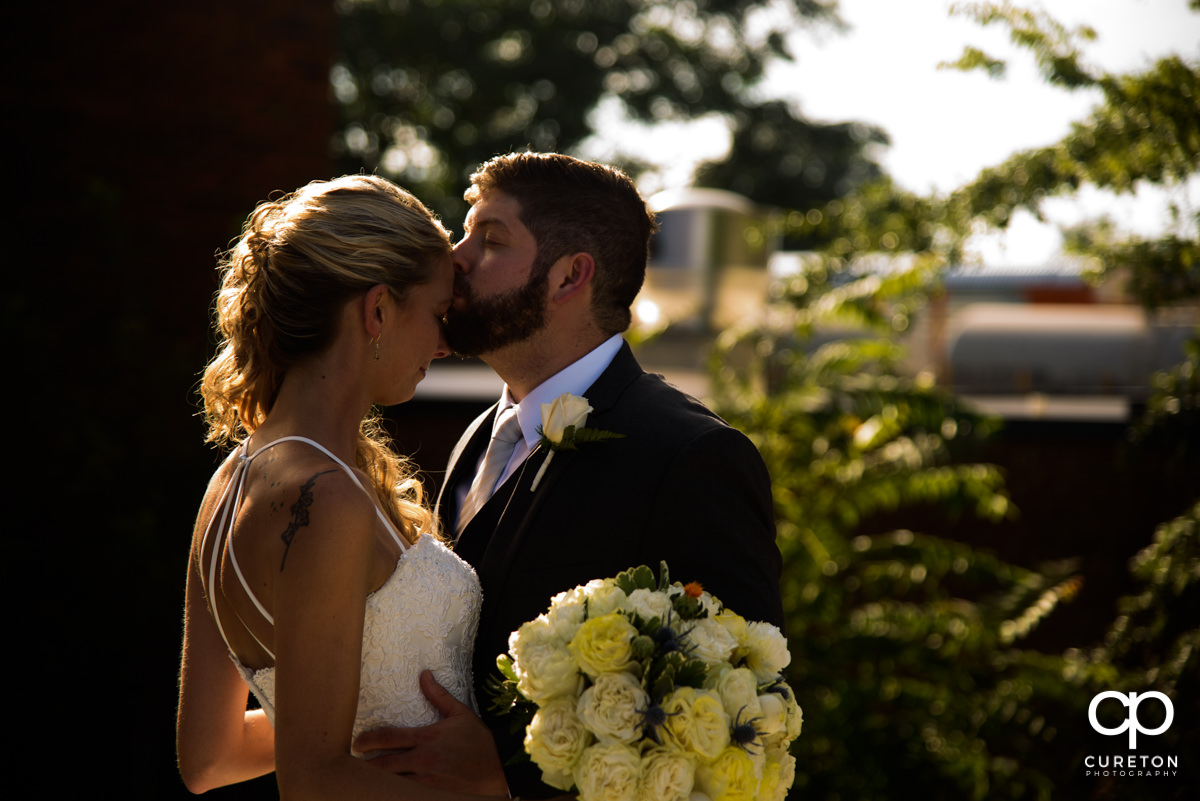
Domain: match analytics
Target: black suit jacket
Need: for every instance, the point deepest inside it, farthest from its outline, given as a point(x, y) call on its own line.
point(680, 486)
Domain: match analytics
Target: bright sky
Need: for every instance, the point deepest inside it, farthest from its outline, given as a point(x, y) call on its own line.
point(946, 125)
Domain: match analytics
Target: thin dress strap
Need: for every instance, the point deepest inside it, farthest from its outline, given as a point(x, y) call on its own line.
point(228, 512)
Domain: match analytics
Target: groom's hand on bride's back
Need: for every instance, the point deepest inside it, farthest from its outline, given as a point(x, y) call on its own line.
point(457, 753)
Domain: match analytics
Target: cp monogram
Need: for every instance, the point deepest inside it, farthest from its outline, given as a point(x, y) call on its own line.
point(1131, 722)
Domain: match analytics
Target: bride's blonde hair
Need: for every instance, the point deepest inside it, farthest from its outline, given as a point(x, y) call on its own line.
point(298, 261)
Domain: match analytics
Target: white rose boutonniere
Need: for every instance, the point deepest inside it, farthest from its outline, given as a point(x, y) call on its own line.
point(562, 428)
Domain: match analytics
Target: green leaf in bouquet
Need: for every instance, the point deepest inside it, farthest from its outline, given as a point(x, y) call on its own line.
point(647, 626)
point(693, 673)
point(662, 673)
point(505, 663)
point(635, 578)
point(673, 660)
point(504, 694)
point(663, 682)
point(664, 577)
point(506, 698)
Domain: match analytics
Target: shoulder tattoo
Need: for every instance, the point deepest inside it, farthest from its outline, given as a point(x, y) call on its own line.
point(299, 515)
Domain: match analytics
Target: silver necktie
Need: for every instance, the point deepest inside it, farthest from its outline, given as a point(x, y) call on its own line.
point(505, 437)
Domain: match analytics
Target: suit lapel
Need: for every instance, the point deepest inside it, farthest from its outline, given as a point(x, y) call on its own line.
point(493, 539)
point(511, 514)
point(497, 525)
point(463, 458)
point(608, 388)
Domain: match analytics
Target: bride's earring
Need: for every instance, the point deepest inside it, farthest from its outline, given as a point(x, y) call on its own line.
point(376, 341)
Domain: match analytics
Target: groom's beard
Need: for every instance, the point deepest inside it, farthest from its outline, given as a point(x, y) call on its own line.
point(487, 324)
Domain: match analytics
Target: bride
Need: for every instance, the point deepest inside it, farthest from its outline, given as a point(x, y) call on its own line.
point(316, 578)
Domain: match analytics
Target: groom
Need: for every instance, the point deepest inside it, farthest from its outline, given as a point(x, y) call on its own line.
point(553, 255)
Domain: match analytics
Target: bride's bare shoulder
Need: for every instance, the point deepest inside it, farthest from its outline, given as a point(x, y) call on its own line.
point(286, 487)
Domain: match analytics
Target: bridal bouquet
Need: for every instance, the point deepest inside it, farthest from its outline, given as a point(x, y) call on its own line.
point(652, 691)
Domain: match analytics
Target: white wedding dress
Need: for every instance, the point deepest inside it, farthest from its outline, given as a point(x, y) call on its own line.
point(424, 617)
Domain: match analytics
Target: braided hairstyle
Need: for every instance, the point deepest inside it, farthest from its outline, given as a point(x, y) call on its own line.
point(299, 259)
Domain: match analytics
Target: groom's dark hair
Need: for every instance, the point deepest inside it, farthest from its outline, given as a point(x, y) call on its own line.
point(575, 206)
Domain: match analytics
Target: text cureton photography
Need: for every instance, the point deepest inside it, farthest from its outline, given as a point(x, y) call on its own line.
point(1130, 764)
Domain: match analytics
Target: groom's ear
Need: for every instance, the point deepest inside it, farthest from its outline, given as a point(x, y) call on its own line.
point(570, 275)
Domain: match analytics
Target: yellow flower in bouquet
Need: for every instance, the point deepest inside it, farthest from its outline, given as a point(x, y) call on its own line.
point(604, 644)
point(728, 777)
point(696, 722)
point(778, 774)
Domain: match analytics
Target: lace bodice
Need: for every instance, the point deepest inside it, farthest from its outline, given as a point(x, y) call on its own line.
point(423, 618)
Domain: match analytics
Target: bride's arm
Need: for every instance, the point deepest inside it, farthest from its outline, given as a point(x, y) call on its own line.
point(319, 608)
point(217, 740)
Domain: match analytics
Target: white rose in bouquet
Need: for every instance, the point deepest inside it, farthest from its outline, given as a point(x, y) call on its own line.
point(738, 689)
point(781, 714)
point(555, 740)
point(710, 641)
point(735, 624)
point(608, 773)
point(566, 614)
point(795, 716)
point(651, 604)
point(609, 708)
point(773, 714)
point(667, 775)
point(545, 666)
point(767, 653)
point(604, 598)
point(710, 604)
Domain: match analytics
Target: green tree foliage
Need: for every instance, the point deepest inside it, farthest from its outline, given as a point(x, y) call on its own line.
point(908, 649)
point(1145, 131)
point(1173, 412)
point(430, 88)
point(779, 159)
point(1154, 645)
